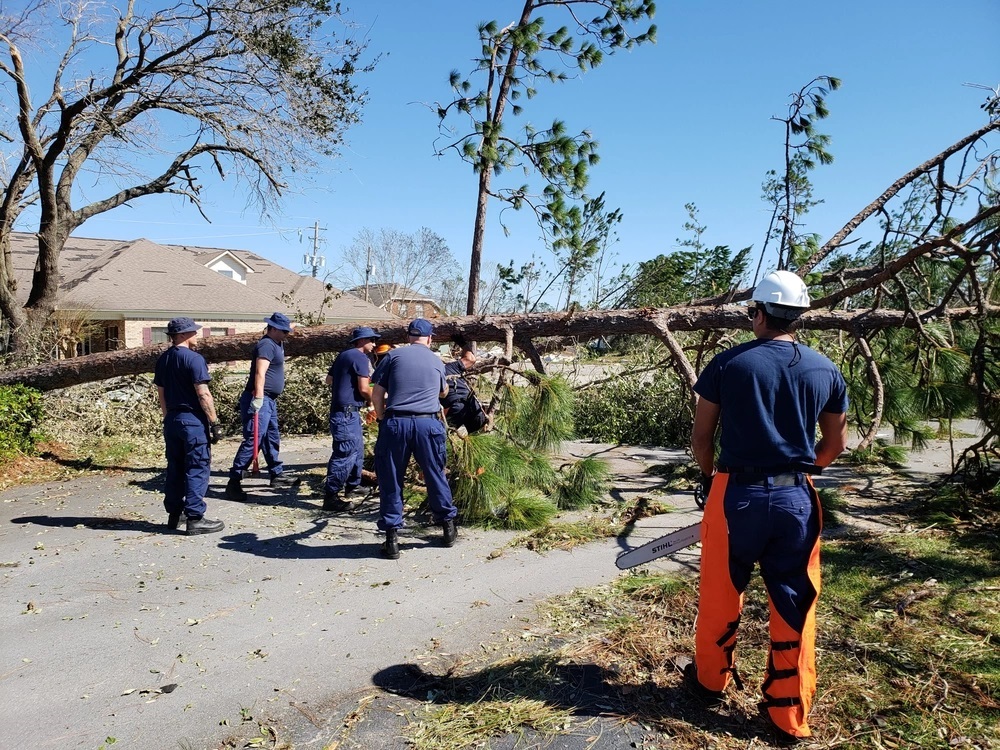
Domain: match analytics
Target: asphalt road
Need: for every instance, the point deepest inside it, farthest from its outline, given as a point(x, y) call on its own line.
point(116, 628)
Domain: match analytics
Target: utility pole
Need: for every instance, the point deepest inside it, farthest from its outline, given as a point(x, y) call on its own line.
point(368, 272)
point(315, 261)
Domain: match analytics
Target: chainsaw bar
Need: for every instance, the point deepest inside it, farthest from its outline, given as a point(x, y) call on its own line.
point(672, 542)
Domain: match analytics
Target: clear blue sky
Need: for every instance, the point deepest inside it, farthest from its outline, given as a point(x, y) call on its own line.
point(685, 120)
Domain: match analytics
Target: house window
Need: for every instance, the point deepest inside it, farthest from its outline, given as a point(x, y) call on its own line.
point(402, 308)
point(110, 338)
point(226, 272)
point(83, 347)
point(158, 335)
point(207, 332)
point(418, 310)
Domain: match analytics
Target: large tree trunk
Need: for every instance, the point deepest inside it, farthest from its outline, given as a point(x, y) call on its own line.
point(478, 238)
point(583, 325)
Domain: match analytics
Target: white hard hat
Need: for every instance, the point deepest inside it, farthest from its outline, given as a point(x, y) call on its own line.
point(783, 294)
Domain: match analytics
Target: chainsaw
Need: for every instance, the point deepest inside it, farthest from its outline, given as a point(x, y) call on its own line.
point(682, 538)
point(672, 542)
point(665, 545)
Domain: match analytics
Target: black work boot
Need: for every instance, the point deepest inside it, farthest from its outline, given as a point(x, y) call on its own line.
point(450, 533)
point(174, 521)
point(234, 490)
point(695, 686)
point(284, 481)
point(390, 547)
point(333, 503)
point(203, 526)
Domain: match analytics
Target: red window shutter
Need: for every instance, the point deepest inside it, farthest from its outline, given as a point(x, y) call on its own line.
point(230, 331)
point(206, 332)
point(147, 336)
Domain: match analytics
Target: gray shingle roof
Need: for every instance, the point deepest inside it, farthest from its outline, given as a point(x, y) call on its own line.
point(142, 277)
point(382, 294)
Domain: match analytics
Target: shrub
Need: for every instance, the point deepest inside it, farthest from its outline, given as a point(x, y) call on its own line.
point(304, 406)
point(21, 414)
point(635, 410)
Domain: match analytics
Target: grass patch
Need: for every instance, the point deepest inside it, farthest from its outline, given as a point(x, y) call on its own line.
point(834, 505)
point(456, 726)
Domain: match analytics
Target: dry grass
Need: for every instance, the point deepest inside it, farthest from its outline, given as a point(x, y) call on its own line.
point(906, 646)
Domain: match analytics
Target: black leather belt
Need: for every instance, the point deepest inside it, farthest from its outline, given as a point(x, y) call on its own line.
point(347, 409)
point(789, 479)
point(770, 471)
point(419, 415)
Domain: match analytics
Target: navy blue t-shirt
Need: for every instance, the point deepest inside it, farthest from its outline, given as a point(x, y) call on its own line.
point(414, 378)
point(274, 379)
point(178, 370)
point(458, 389)
point(349, 365)
point(771, 394)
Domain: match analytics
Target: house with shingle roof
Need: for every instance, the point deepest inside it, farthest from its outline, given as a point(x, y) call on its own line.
point(120, 294)
point(399, 300)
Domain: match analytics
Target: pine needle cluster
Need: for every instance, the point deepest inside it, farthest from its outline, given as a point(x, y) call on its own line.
point(505, 478)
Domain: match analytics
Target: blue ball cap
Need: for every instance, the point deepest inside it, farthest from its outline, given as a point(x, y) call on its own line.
point(364, 332)
point(420, 327)
point(181, 325)
point(279, 321)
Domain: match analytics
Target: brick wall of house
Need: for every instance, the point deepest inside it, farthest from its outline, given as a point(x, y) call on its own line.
point(135, 329)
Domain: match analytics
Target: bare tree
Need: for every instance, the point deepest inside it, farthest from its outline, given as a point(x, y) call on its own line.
point(396, 263)
point(143, 100)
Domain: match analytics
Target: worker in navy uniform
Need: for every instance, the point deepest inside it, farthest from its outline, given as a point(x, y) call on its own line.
point(406, 389)
point(190, 424)
point(350, 391)
point(259, 399)
point(770, 395)
point(461, 408)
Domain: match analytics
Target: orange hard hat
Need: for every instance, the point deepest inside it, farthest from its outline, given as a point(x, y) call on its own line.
point(382, 348)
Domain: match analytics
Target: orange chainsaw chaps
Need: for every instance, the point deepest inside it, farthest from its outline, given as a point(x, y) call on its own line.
point(791, 683)
point(719, 603)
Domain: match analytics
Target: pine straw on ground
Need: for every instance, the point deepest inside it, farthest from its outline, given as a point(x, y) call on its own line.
point(906, 647)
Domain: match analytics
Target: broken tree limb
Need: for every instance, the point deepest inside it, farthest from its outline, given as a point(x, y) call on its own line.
point(878, 393)
point(582, 324)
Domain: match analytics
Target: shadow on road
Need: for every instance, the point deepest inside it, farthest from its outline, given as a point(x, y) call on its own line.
point(293, 546)
point(97, 523)
point(88, 464)
point(585, 690)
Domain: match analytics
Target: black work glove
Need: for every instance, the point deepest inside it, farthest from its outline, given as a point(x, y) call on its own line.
point(702, 490)
point(216, 430)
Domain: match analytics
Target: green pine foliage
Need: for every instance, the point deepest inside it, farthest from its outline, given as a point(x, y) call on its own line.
point(881, 452)
point(539, 417)
point(505, 479)
point(490, 475)
point(583, 484)
point(523, 508)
